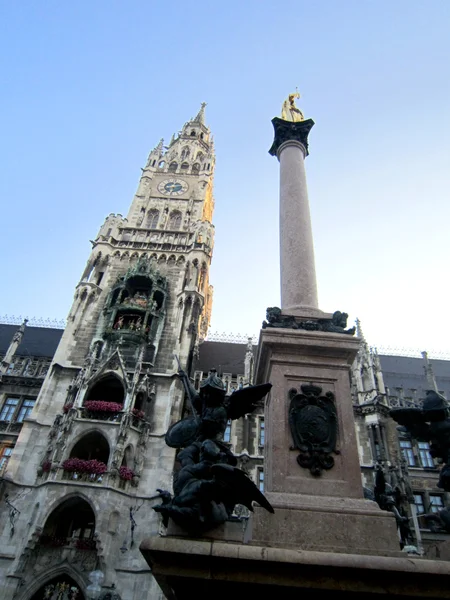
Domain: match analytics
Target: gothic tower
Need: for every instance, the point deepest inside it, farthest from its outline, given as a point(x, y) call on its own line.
point(93, 453)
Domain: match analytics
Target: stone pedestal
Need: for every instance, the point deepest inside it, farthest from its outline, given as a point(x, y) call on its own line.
point(325, 512)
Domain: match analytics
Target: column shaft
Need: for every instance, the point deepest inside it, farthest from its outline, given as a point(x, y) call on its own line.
point(297, 266)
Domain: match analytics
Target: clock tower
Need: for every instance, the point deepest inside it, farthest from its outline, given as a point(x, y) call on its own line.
point(94, 446)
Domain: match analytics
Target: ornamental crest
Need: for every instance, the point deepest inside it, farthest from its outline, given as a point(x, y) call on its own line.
point(313, 423)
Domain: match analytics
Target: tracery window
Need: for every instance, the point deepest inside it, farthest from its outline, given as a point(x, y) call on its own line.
point(152, 219)
point(227, 432)
point(261, 480)
point(262, 433)
point(185, 165)
point(5, 454)
point(173, 167)
point(196, 168)
point(185, 153)
point(9, 408)
point(436, 503)
point(426, 459)
point(407, 452)
point(418, 501)
point(175, 220)
point(25, 410)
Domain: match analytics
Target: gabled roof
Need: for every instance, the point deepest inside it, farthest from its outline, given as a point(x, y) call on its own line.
point(36, 341)
point(225, 357)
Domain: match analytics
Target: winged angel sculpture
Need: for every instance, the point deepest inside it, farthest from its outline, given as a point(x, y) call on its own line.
point(209, 485)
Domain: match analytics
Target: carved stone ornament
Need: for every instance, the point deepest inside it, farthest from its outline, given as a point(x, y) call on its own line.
point(337, 324)
point(313, 423)
point(287, 130)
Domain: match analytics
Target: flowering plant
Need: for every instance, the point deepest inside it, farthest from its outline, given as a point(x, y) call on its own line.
point(126, 473)
point(67, 407)
point(78, 465)
point(46, 466)
point(85, 544)
point(102, 406)
point(138, 413)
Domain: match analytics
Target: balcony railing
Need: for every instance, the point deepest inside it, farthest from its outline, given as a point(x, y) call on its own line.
point(83, 477)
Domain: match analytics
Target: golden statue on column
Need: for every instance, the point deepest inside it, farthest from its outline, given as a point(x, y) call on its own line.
point(289, 111)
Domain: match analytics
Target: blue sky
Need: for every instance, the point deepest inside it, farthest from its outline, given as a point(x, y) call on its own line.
point(88, 88)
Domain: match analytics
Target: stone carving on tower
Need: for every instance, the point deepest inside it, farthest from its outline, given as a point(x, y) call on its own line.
point(95, 446)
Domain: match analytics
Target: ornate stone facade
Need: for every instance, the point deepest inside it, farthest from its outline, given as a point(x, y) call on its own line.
point(82, 478)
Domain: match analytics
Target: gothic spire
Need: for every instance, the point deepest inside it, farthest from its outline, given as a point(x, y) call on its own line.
point(429, 374)
point(200, 118)
point(359, 331)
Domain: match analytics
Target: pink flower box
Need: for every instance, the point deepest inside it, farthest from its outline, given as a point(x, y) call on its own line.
point(126, 473)
point(78, 465)
point(102, 406)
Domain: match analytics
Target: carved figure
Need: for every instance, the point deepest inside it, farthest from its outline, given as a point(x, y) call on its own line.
point(119, 323)
point(390, 500)
point(289, 111)
point(209, 485)
point(336, 324)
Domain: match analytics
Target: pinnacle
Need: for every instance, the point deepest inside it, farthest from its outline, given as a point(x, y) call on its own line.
point(200, 118)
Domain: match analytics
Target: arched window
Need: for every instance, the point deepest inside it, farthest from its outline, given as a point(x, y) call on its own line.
point(185, 153)
point(185, 165)
point(175, 220)
point(200, 156)
point(92, 446)
point(74, 518)
point(193, 133)
point(107, 389)
point(161, 164)
point(173, 167)
point(152, 219)
point(196, 168)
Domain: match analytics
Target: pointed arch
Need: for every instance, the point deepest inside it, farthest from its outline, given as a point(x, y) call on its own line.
point(152, 218)
point(173, 167)
point(73, 516)
point(185, 152)
point(185, 166)
point(63, 573)
point(175, 219)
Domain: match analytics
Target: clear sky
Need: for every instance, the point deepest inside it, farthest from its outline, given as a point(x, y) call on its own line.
point(88, 88)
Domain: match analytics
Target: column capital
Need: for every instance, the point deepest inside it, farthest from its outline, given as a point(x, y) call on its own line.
point(287, 131)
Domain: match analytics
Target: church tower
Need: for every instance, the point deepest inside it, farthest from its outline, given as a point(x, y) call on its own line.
point(93, 452)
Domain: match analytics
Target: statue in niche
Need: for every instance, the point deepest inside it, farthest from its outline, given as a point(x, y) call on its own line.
point(209, 485)
point(289, 111)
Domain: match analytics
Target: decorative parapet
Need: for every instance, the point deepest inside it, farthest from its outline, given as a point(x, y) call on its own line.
point(33, 322)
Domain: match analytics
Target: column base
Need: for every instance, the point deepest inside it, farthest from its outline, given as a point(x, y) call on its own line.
point(305, 312)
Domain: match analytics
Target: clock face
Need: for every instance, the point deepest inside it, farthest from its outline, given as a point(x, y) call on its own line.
point(173, 187)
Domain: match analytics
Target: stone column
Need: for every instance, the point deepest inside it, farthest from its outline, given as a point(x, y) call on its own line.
point(297, 266)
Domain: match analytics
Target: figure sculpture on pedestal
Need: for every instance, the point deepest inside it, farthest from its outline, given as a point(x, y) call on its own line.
point(209, 484)
point(289, 111)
